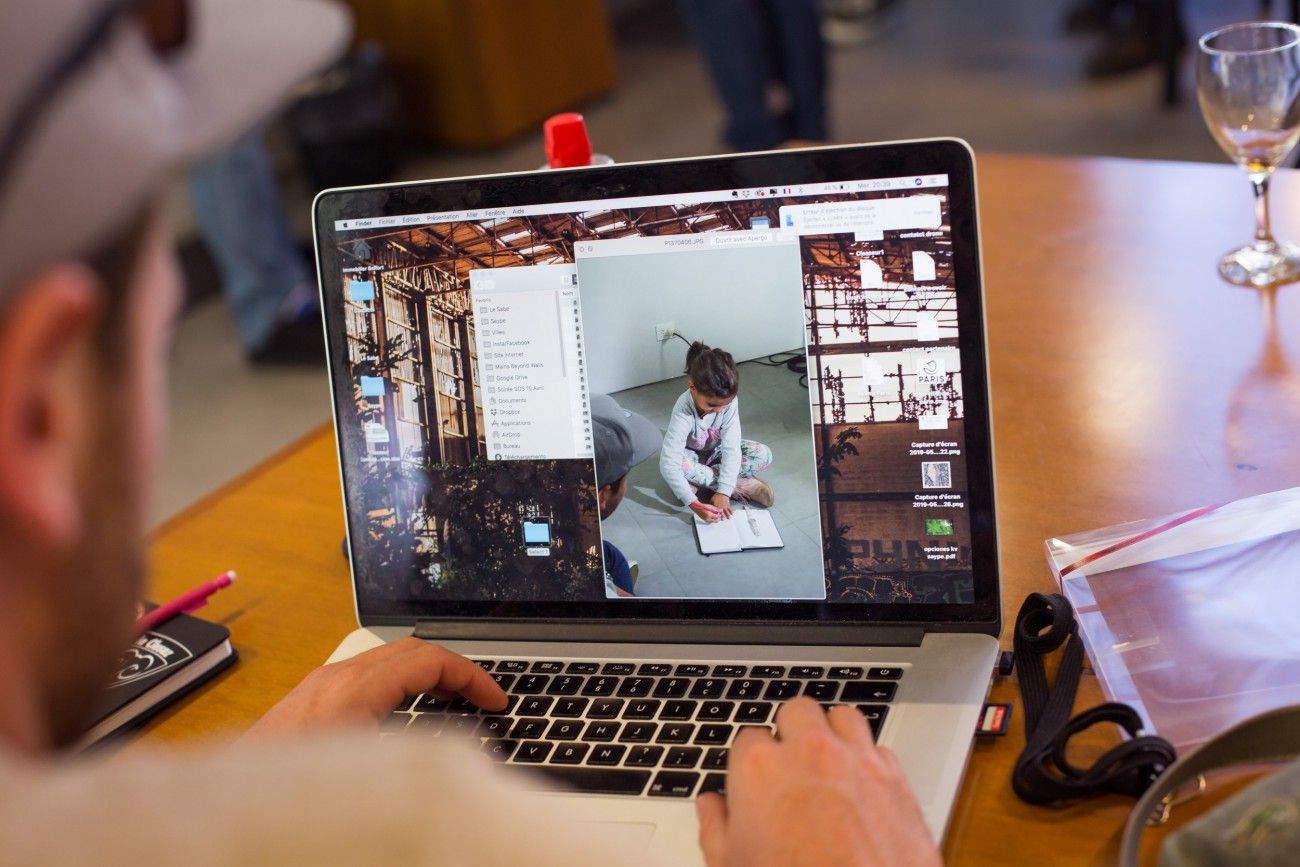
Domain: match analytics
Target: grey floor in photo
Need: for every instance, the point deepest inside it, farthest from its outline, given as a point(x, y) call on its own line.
point(653, 529)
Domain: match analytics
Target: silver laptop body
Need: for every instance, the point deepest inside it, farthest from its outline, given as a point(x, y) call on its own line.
point(468, 323)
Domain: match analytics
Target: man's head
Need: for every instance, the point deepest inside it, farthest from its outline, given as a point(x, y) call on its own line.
point(100, 103)
point(622, 440)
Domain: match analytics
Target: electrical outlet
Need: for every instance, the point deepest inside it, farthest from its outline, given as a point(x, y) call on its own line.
point(664, 331)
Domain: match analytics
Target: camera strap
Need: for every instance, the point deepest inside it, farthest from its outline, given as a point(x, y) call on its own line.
point(1042, 773)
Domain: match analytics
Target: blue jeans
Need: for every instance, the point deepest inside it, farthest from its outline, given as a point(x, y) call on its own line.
point(749, 43)
point(239, 215)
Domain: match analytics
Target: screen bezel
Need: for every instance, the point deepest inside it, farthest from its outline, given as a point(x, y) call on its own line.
point(772, 168)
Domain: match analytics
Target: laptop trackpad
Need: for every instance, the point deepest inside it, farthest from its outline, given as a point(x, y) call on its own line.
point(635, 834)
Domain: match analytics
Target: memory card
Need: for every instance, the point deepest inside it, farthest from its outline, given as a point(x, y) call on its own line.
point(994, 719)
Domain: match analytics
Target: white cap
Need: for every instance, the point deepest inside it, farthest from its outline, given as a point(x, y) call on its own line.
point(129, 118)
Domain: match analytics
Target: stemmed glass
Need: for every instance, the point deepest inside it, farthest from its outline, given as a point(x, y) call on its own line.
point(1248, 83)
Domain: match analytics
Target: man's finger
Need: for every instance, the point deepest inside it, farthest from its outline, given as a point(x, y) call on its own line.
point(426, 667)
point(711, 810)
point(745, 740)
point(799, 716)
point(849, 723)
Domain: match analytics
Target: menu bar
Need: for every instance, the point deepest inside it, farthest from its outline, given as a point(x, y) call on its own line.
point(597, 207)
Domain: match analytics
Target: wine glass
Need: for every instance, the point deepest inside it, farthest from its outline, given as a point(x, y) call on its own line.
point(1248, 83)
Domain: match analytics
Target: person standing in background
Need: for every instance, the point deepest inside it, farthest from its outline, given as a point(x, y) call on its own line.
point(751, 44)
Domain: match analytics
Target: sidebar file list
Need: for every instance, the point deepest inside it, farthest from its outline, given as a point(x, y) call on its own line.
point(532, 369)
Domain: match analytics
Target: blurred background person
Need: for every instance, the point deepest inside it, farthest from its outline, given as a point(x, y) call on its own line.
point(749, 45)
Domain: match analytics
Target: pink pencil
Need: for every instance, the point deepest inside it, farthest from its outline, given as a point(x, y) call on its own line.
point(190, 600)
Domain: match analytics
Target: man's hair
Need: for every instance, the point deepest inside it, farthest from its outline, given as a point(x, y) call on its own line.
point(712, 371)
point(613, 486)
point(116, 262)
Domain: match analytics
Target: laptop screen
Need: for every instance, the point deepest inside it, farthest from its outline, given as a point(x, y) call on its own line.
point(775, 374)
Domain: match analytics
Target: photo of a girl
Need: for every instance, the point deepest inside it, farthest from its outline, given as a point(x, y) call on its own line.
point(705, 460)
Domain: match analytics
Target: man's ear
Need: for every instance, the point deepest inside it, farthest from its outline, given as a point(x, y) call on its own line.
point(602, 497)
point(47, 377)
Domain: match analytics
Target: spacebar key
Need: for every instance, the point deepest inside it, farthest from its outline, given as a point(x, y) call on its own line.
point(601, 781)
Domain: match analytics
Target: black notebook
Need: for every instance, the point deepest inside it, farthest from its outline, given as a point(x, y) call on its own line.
point(161, 666)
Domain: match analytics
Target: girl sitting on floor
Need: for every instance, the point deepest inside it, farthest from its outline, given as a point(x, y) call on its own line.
point(704, 460)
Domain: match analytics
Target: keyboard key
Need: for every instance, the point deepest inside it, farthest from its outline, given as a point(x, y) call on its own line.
point(709, 687)
point(882, 673)
point(654, 669)
point(875, 714)
point(715, 760)
point(868, 691)
point(528, 729)
point(644, 708)
point(462, 705)
point(715, 711)
point(532, 752)
point(675, 733)
point(751, 712)
point(821, 690)
point(570, 753)
point(672, 687)
point(683, 757)
point(674, 784)
point(494, 726)
point(715, 734)
point(564, 730)
point(644, 756)
point(546, 667)
point(845, 672)
point(618, 668)
point(606, 754)
point(485, 664)
point(598, 781)
point(430, 702)
point(499, 748)
point(678, 710)
point(515, 665)
point(746, 689)
point(605, 708)
point(691, 670)
point(504, 680)
point(597, 686)
point(770, 671)
point(808, 672)
point(570, 707)
point(728, 671)
point(407, 703)
point(537, 705)
point(780, 690)
point(714, 783)
point(395, 722)
point(582, 668)
point(566, 685)
point(460, 725)
point(638, 733)
point(601, 731)
point(531, 684)
point(636, 687)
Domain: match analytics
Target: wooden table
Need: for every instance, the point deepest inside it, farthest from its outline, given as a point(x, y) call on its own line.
point(1128, 382)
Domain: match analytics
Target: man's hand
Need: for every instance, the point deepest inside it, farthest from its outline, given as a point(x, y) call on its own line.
point(824, 794)
point(722, 503)
point(361, 690)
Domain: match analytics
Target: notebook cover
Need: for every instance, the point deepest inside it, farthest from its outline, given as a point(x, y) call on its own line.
point(156, 656)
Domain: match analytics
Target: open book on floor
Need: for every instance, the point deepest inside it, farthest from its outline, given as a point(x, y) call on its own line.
point(162, 665)
point(745, 530)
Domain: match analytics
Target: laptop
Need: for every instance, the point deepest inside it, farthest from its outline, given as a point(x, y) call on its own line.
point(477, 327)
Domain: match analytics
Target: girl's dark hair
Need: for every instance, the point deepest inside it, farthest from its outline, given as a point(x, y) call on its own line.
point(712, 371)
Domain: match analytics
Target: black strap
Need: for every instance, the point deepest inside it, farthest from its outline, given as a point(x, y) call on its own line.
point(1042, 774)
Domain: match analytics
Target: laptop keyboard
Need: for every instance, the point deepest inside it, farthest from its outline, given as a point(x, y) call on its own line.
point(660, 729)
